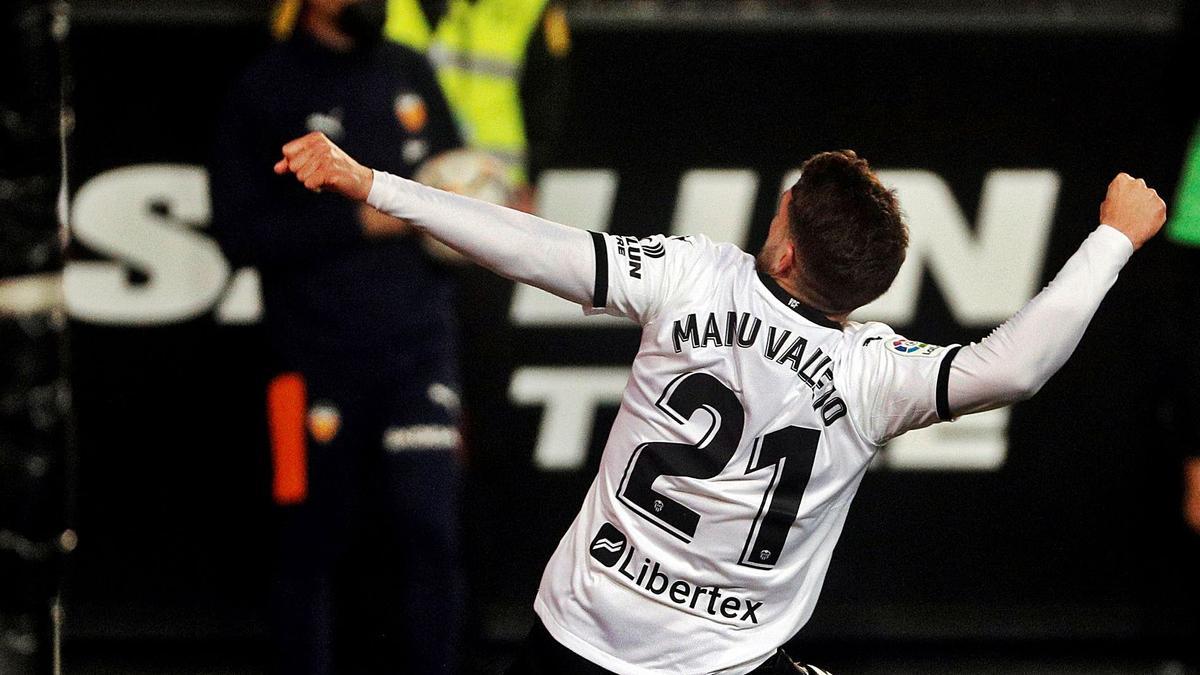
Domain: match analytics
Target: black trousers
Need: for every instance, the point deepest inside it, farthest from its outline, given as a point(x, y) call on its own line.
point(368, 574)
point(543, 655)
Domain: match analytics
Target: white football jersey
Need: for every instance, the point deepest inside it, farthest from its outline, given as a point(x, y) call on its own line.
point(745, 428)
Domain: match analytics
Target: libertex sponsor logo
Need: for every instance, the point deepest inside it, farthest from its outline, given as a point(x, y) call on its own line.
point(610, 543)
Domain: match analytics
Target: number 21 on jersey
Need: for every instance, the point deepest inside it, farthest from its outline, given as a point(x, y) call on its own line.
point(788, 452)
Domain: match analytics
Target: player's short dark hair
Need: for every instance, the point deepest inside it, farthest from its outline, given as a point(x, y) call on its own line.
point(848, 231)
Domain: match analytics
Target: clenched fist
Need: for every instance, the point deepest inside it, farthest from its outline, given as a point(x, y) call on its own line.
point(320, 164)
point(1133, 208)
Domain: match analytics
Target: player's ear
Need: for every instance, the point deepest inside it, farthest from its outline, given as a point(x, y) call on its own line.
point(786, 262)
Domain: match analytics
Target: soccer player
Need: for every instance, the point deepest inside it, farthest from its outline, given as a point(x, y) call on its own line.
point(754, 404)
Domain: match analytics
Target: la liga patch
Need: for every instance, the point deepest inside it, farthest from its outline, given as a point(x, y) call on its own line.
point(912, 347)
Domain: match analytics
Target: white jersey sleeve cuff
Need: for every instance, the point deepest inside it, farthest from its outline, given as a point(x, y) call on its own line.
point(1020, 355)
point(1114, 241)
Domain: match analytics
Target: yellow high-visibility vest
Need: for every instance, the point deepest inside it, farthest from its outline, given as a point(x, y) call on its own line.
point(477, 51)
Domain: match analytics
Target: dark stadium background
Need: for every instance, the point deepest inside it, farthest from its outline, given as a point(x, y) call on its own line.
point(1072, 557)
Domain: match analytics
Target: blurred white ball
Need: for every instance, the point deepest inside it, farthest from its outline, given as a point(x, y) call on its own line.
point(469, 172)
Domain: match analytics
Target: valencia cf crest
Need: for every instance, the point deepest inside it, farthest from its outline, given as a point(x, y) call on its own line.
point(324, 422)
point(411, 111)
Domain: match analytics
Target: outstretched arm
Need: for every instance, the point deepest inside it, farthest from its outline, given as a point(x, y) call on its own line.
point(516, 245)
point(1016, 359)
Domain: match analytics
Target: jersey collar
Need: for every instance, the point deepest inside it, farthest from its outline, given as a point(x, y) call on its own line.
point(797, 305)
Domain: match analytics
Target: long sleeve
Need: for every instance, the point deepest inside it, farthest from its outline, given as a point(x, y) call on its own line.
point(1019, 356)
point(898, 384)
point(553, 257)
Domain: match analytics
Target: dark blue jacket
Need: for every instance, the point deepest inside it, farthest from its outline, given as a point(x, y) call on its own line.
point(333, 300)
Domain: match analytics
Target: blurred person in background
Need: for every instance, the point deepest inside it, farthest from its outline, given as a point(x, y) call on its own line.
point(502, 67)
point(1183, 230)
point(364, 412)
point(1183, 322)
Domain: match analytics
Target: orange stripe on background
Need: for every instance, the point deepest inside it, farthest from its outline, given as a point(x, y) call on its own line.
point(286, 409)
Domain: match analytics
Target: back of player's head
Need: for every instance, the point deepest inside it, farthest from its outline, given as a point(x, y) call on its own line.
point(848, 232)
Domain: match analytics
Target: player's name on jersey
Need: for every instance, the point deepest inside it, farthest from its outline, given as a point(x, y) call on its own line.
point(743, 331)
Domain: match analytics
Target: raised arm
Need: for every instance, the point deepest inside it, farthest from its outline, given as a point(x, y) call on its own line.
point(516, 245)
point(1019, 356)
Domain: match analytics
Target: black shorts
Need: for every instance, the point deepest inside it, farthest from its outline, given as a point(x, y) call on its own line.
point(543, 655)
